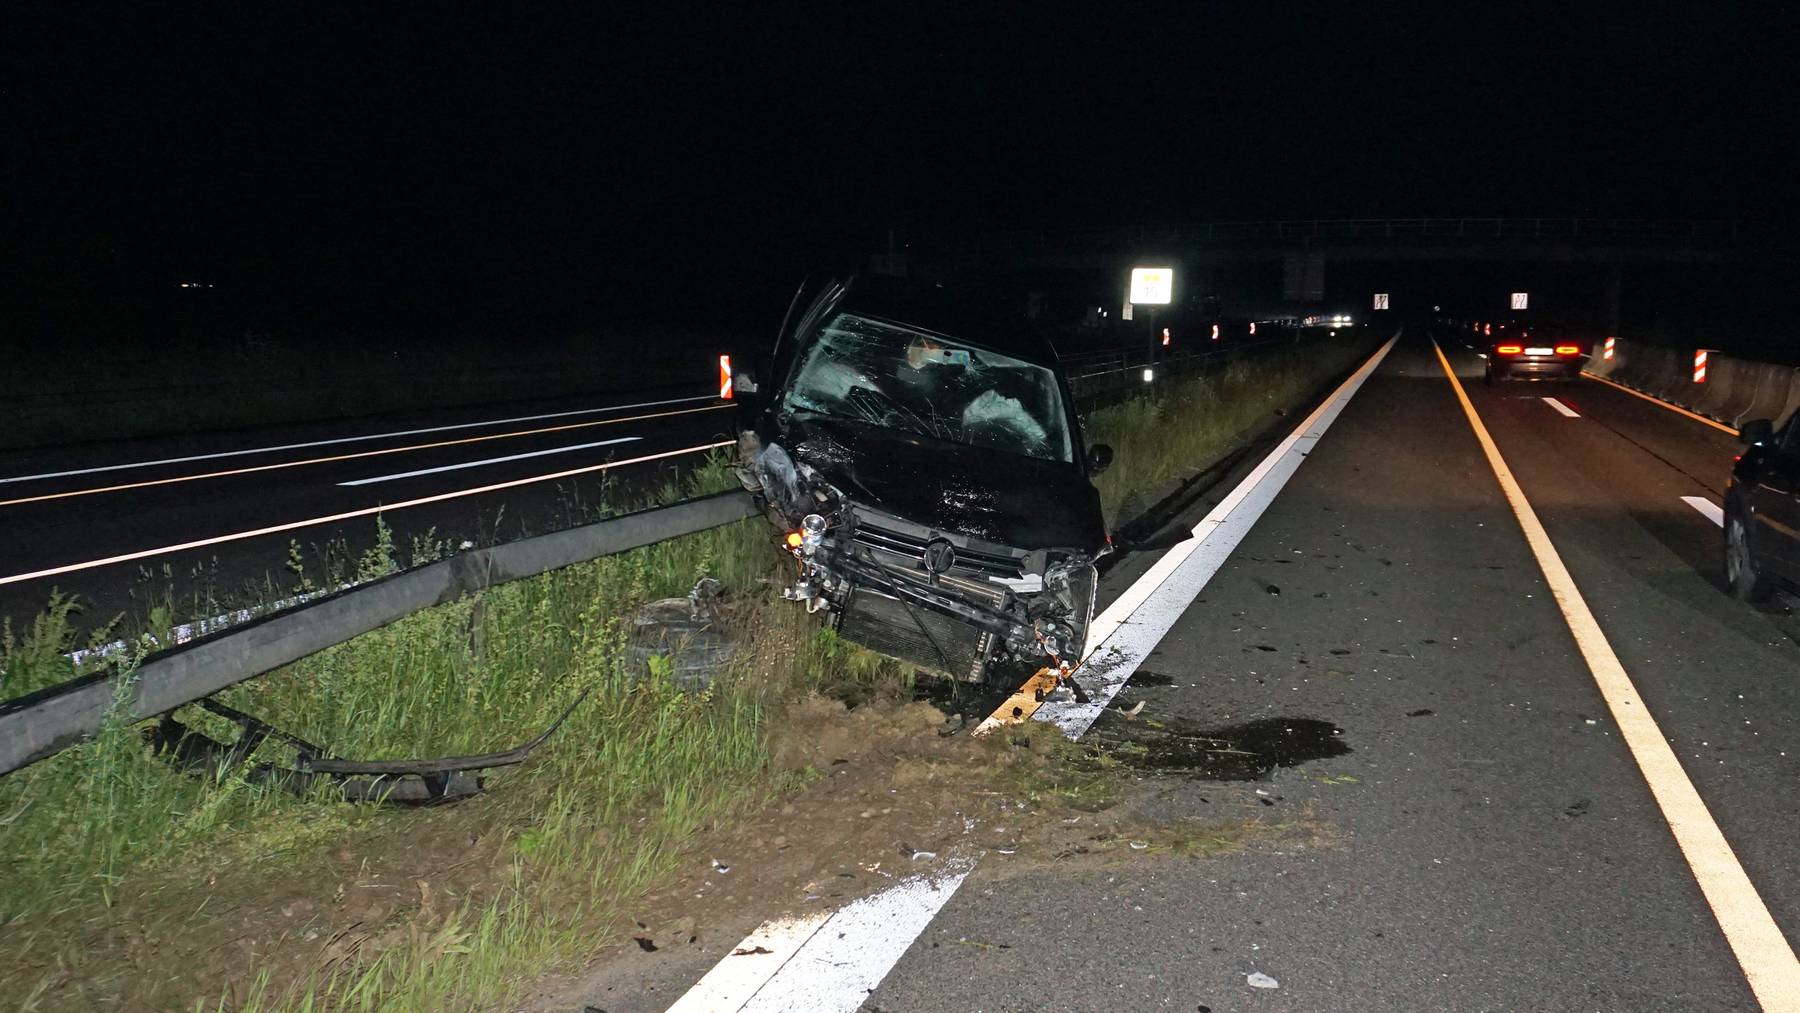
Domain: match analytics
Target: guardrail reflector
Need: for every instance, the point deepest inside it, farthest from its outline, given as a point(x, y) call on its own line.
point(725, 377)
point(1700, 365)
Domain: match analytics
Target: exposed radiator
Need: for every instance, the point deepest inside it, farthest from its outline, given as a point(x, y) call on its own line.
point(884, 625)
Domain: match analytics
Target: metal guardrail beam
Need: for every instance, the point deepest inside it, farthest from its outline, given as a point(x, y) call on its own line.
point(44, 723)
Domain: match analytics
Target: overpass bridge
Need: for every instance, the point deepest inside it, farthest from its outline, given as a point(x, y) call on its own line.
point(1586, 260)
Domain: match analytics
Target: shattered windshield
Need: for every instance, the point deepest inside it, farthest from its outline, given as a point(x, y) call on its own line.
point(886, 375)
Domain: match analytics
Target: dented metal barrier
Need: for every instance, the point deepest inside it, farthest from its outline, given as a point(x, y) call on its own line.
point(44, 723)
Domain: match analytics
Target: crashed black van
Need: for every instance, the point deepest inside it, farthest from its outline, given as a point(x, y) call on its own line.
point(922, 456)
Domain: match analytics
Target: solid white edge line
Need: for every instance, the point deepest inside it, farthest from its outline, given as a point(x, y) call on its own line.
point(836, 969)
point(838, 965)
point(491, 460)
point(1563, 408)
point(742, 972)
point(199, 543)
point(1707, 508)
point(351, 439)
point(1129, 629)
point(1767, 960)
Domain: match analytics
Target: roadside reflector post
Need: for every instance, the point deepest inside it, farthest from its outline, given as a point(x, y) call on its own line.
point(1700, 365)
point(1165, 337)
point(1608, 353)
point(1150, 287)
point(725, 377)
point(1215, 332)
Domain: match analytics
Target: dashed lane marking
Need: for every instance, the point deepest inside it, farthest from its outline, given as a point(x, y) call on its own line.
point(491, 460)
point(1707, 508)
point(354, 456)
point(1566, 411)
point(350, 439)
point(1767, 960)
point(127, 557)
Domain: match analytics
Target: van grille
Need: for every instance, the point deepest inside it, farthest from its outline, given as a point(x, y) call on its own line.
point(912, 548)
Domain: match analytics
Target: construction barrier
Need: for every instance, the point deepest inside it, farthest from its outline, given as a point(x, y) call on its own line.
point(1721, 387)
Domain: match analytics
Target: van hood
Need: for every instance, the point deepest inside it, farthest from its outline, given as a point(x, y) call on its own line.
point(1007, 499)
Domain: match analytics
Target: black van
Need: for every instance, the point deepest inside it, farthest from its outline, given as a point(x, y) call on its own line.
point(922, 456)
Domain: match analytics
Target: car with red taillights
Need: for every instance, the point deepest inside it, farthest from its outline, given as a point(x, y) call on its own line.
point(1533, 352)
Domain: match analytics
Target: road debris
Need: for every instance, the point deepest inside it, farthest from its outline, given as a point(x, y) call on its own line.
point(1257, 979)
point(682, 638)
point(399, 782)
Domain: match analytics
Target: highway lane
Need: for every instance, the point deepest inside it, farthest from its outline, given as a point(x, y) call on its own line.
point(1489, 842)
point(60, 510)
point(1723, 676)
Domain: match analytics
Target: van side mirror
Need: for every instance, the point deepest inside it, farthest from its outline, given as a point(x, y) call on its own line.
point(1756, 431)
point(1099, 458)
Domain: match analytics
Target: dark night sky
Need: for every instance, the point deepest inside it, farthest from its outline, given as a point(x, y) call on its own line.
point(595, 153)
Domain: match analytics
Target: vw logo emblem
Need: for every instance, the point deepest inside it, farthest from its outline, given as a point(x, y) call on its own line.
point(940, 556)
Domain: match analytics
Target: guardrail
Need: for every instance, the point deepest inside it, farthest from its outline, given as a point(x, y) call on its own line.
point(1733, 390)
point(42, 724)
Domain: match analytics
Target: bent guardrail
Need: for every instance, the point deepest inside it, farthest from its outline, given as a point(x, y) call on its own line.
point(41, 724)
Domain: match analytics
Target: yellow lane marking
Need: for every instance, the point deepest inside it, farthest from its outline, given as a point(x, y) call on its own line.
point(351, 457)
point(1677, 409)
point(349, 514)
point(1018, 708)
point(1767, 960)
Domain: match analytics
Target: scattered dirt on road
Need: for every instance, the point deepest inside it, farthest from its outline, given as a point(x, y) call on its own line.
point(886, 795)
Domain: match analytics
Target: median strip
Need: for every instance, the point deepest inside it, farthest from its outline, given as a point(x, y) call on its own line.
point(1768, 962)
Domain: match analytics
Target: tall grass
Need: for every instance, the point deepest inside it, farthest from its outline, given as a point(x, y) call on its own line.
point(1168, 433)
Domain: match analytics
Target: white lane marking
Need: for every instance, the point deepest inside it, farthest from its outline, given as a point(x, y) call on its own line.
point(1706, 507)
point(735, 979)
point(127, 557)
point(1127, 631)
point(1767, 960)
point(836, 967)
point(358, 455)
point(1559, 406)
point(348, 439)
point(491, 460)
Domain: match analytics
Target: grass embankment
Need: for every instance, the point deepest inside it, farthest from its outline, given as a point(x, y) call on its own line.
point(1185, 425)
point(127, 884)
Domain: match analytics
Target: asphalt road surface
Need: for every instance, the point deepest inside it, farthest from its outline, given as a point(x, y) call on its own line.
point(1490, 841)
point(65, 510)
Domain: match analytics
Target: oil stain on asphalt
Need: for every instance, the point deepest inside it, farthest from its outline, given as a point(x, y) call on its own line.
point(1249, 751)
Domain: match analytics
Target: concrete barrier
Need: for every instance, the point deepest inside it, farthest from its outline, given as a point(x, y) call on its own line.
point(1736, 390)
point(1724, 387)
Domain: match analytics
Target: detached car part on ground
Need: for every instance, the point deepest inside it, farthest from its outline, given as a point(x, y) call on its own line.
point(922, 457)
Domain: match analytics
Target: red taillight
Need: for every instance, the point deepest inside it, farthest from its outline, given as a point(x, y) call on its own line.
point(1509, 349)
point(1568, 349)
